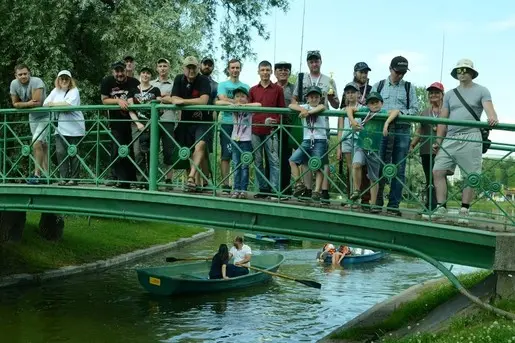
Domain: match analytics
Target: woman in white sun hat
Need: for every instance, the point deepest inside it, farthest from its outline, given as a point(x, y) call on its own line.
point(70, 126)
point(463, 145)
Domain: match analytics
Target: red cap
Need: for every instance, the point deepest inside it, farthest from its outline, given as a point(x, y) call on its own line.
point(436, 85)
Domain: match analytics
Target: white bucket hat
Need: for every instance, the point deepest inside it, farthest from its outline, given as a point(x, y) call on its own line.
point(65, 72)
point(464, 63)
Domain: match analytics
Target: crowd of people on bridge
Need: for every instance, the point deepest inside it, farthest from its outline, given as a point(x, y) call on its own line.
point(280, 152)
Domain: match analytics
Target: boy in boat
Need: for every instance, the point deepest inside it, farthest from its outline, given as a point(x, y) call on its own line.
point(314, 143)
point(242, 255)
point(241, 140)
point(370, 134)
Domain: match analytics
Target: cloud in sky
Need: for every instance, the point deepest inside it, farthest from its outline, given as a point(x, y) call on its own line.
point(502, 25)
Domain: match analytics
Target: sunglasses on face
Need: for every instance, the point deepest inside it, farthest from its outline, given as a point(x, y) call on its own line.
point(462, 71)
point(399, 72)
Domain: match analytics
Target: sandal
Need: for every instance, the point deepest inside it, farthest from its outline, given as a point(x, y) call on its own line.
point(355, 196)
point(190, 186)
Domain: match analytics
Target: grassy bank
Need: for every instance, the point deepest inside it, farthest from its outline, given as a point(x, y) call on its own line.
point(84, 241)
point(480, 327)
point(412, 311)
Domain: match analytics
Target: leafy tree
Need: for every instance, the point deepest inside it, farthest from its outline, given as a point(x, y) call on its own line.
point(511, 177)
point(423, 101)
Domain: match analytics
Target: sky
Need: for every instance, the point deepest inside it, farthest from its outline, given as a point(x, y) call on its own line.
point(347, 32)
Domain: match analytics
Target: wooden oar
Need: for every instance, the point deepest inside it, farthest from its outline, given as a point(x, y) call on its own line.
point(175, 259)
point(308, 283)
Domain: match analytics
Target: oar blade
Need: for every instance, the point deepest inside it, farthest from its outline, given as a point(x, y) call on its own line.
point(172, 259)
point(309, 283)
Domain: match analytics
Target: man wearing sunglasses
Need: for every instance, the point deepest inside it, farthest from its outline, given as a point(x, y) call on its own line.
point(398, 94)
point(464, 148)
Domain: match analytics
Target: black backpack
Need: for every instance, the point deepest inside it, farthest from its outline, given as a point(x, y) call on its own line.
point(407, 86)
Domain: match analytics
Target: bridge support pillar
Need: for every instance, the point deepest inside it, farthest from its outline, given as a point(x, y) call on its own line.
point(51, 226)
point(12, 225)
point(504, 266)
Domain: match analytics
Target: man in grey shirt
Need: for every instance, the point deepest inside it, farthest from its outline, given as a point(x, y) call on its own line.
point(463, 145)
point(28, 91)
point(398, 94)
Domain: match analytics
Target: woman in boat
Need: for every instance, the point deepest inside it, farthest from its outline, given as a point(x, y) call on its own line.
point(219, 263)
point(327, 251)
point(338, 256)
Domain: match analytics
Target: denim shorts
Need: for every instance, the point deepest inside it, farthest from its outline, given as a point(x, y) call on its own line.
point(369, 158)
point(319, 149)
point(226, 142)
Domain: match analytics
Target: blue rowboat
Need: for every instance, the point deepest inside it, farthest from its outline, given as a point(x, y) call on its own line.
point(271, 239)
point(358, 259)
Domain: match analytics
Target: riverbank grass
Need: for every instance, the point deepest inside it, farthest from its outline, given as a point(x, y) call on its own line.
point(412, 311)
point(84, 241)
point(479, 327)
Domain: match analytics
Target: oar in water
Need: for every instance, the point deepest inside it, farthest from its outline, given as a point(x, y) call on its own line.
point(175, 259)
point(308, 283)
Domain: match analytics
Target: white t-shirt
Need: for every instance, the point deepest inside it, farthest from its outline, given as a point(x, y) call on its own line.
point(239, 255)
point(315, 126)
point(69, 123)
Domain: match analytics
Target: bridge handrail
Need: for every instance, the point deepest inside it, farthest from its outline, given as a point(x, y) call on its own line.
point(332, 113)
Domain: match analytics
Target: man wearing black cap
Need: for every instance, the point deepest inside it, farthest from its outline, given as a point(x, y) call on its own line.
point(329, 96)
point(398, 95)
point(282, 73)
point(116, 89)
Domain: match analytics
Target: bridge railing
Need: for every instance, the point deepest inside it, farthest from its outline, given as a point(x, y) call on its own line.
point(165, 161)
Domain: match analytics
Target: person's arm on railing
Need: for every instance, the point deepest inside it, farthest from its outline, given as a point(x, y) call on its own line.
point(491, 115)
point(106, 100)
point(36, 100)
point(353, 123)
point(134, 116)
point(392, 114)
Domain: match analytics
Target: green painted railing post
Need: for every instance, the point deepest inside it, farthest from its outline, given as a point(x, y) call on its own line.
point(154, 146)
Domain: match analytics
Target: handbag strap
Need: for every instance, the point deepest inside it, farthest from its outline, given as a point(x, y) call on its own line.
point(467, 106)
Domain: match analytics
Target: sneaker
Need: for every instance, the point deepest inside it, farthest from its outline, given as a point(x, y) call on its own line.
point(226, 189)
point(235, 195)
point(71, 183)
point(316, 196)
point(111, 183)
point(62, 183)
point(260, 196)
point(242, 195)
point(306, 195)
point(441, 212)
point(375, 209)
point(394, 212)
point(33, 180)
point(355, 196)
point(463, 216)
point(299, 190)
point(325, 198)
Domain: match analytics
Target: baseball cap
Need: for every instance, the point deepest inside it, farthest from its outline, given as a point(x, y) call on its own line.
point(361, 66)
point(314, 54)
point(282, 64)
point(240, 90)
point(65, 72)
point(314, 89)
point(162, 59)
point(352, 85)
point(190, 60)
point(436, 85)
point(118, 64)
point(399, 63)
point(147, 69)
point(128, 58)
point(374, 96)
point(208, 59)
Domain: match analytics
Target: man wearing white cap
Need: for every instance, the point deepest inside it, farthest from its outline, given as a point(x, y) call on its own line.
point(463, 146)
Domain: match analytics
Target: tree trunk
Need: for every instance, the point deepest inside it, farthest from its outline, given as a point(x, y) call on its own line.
point(51, 226)
point(12, 225)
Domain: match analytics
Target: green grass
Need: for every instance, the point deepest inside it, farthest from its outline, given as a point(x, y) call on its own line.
point(480, 327)
point(414, 310)
point(83, 242)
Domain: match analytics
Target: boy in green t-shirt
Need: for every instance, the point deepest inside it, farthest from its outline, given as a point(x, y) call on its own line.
point(366, 152)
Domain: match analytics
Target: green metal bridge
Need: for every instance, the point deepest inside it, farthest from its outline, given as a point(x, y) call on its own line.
point(492, 219)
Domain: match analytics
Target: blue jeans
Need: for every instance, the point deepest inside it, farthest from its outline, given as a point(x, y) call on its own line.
point(271, 147)
point(241, 172)
point(394, 150)
point(319, 149)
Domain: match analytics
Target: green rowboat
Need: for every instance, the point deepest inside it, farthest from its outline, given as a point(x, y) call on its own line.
point(192, 277)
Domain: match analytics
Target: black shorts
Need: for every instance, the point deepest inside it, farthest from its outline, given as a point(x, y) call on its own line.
point(189, 134)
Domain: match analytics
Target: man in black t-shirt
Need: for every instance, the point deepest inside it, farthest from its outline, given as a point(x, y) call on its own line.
point(116, 89)
point(190, 88)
